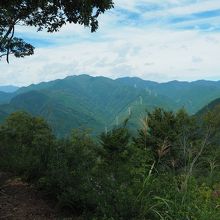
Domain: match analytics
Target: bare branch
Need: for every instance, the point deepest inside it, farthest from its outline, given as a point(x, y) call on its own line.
point(4, 39)
point(9, 42)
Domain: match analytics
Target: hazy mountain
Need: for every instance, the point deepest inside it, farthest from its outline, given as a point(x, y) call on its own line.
point(5, 97)
point(84, 101)
point(7, 93)
point(100, 102)
point(191, 95)
point(8, 89)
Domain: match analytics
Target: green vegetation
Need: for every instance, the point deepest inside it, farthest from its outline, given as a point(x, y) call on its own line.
point(98, 102)
point(44, 15)
point(82, 101)
point(5, 97)
point(169, 170)
point(183, 94)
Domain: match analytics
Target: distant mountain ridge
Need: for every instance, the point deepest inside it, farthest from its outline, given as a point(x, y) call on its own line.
point(100, 102)
point(8, 89)
point(7, 93)
point(190, 95)
point(5, 97)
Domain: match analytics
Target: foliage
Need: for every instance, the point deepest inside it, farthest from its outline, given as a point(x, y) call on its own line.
point(118, 176)
point(44, 14)
point(168, 135)
point(70, 175)
point(26, 143)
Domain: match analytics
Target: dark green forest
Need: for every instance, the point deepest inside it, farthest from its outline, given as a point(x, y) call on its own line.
point(169, 169)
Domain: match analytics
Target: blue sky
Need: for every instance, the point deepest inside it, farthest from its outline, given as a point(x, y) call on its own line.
point(157, 40)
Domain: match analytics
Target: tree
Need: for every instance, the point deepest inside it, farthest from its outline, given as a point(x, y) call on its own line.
point(115, 144)
point(50, 15)
point(167, 134)
point(70, 174)
point(26, 143)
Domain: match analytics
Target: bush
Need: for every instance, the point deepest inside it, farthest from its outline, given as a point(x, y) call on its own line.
point(166, 172)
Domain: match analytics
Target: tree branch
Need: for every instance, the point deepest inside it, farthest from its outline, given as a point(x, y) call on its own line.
point(8, 46)
point(6, 35)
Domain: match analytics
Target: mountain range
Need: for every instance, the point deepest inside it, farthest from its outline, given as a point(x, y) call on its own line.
point(8, 89)
point(99, 103)
point(6, 93)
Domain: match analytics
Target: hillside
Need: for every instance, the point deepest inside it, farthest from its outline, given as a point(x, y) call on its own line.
point(190, 95)
point(82, 101)
point(212, 106)
point(5, 97)
point(8, 89)
point(99, 103)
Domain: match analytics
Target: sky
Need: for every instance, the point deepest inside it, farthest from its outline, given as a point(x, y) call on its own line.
point(160, 40)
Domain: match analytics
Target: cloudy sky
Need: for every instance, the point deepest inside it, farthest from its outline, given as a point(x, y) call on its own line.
point(157, 40)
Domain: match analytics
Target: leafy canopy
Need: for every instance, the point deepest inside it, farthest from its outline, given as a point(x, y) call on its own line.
point(50, 15)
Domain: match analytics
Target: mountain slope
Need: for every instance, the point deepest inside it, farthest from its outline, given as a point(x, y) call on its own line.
point(190, 95)
point(61, 118)
point(213, 106)
point(8, 89)
point(5, 97)
point(82, 101)
point(99, 102)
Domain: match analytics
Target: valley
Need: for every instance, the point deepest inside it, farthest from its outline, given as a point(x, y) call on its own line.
point(99, 103)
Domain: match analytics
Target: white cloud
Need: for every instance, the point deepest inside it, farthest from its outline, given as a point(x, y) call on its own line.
point(159, 53)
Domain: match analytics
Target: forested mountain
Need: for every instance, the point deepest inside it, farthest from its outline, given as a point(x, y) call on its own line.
point(7, 93)
point(5, 97)
point(191, 95)
point(210, 107)
point(83, 101)
point(168, 168)
point(99, 103)
point(211, 113)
